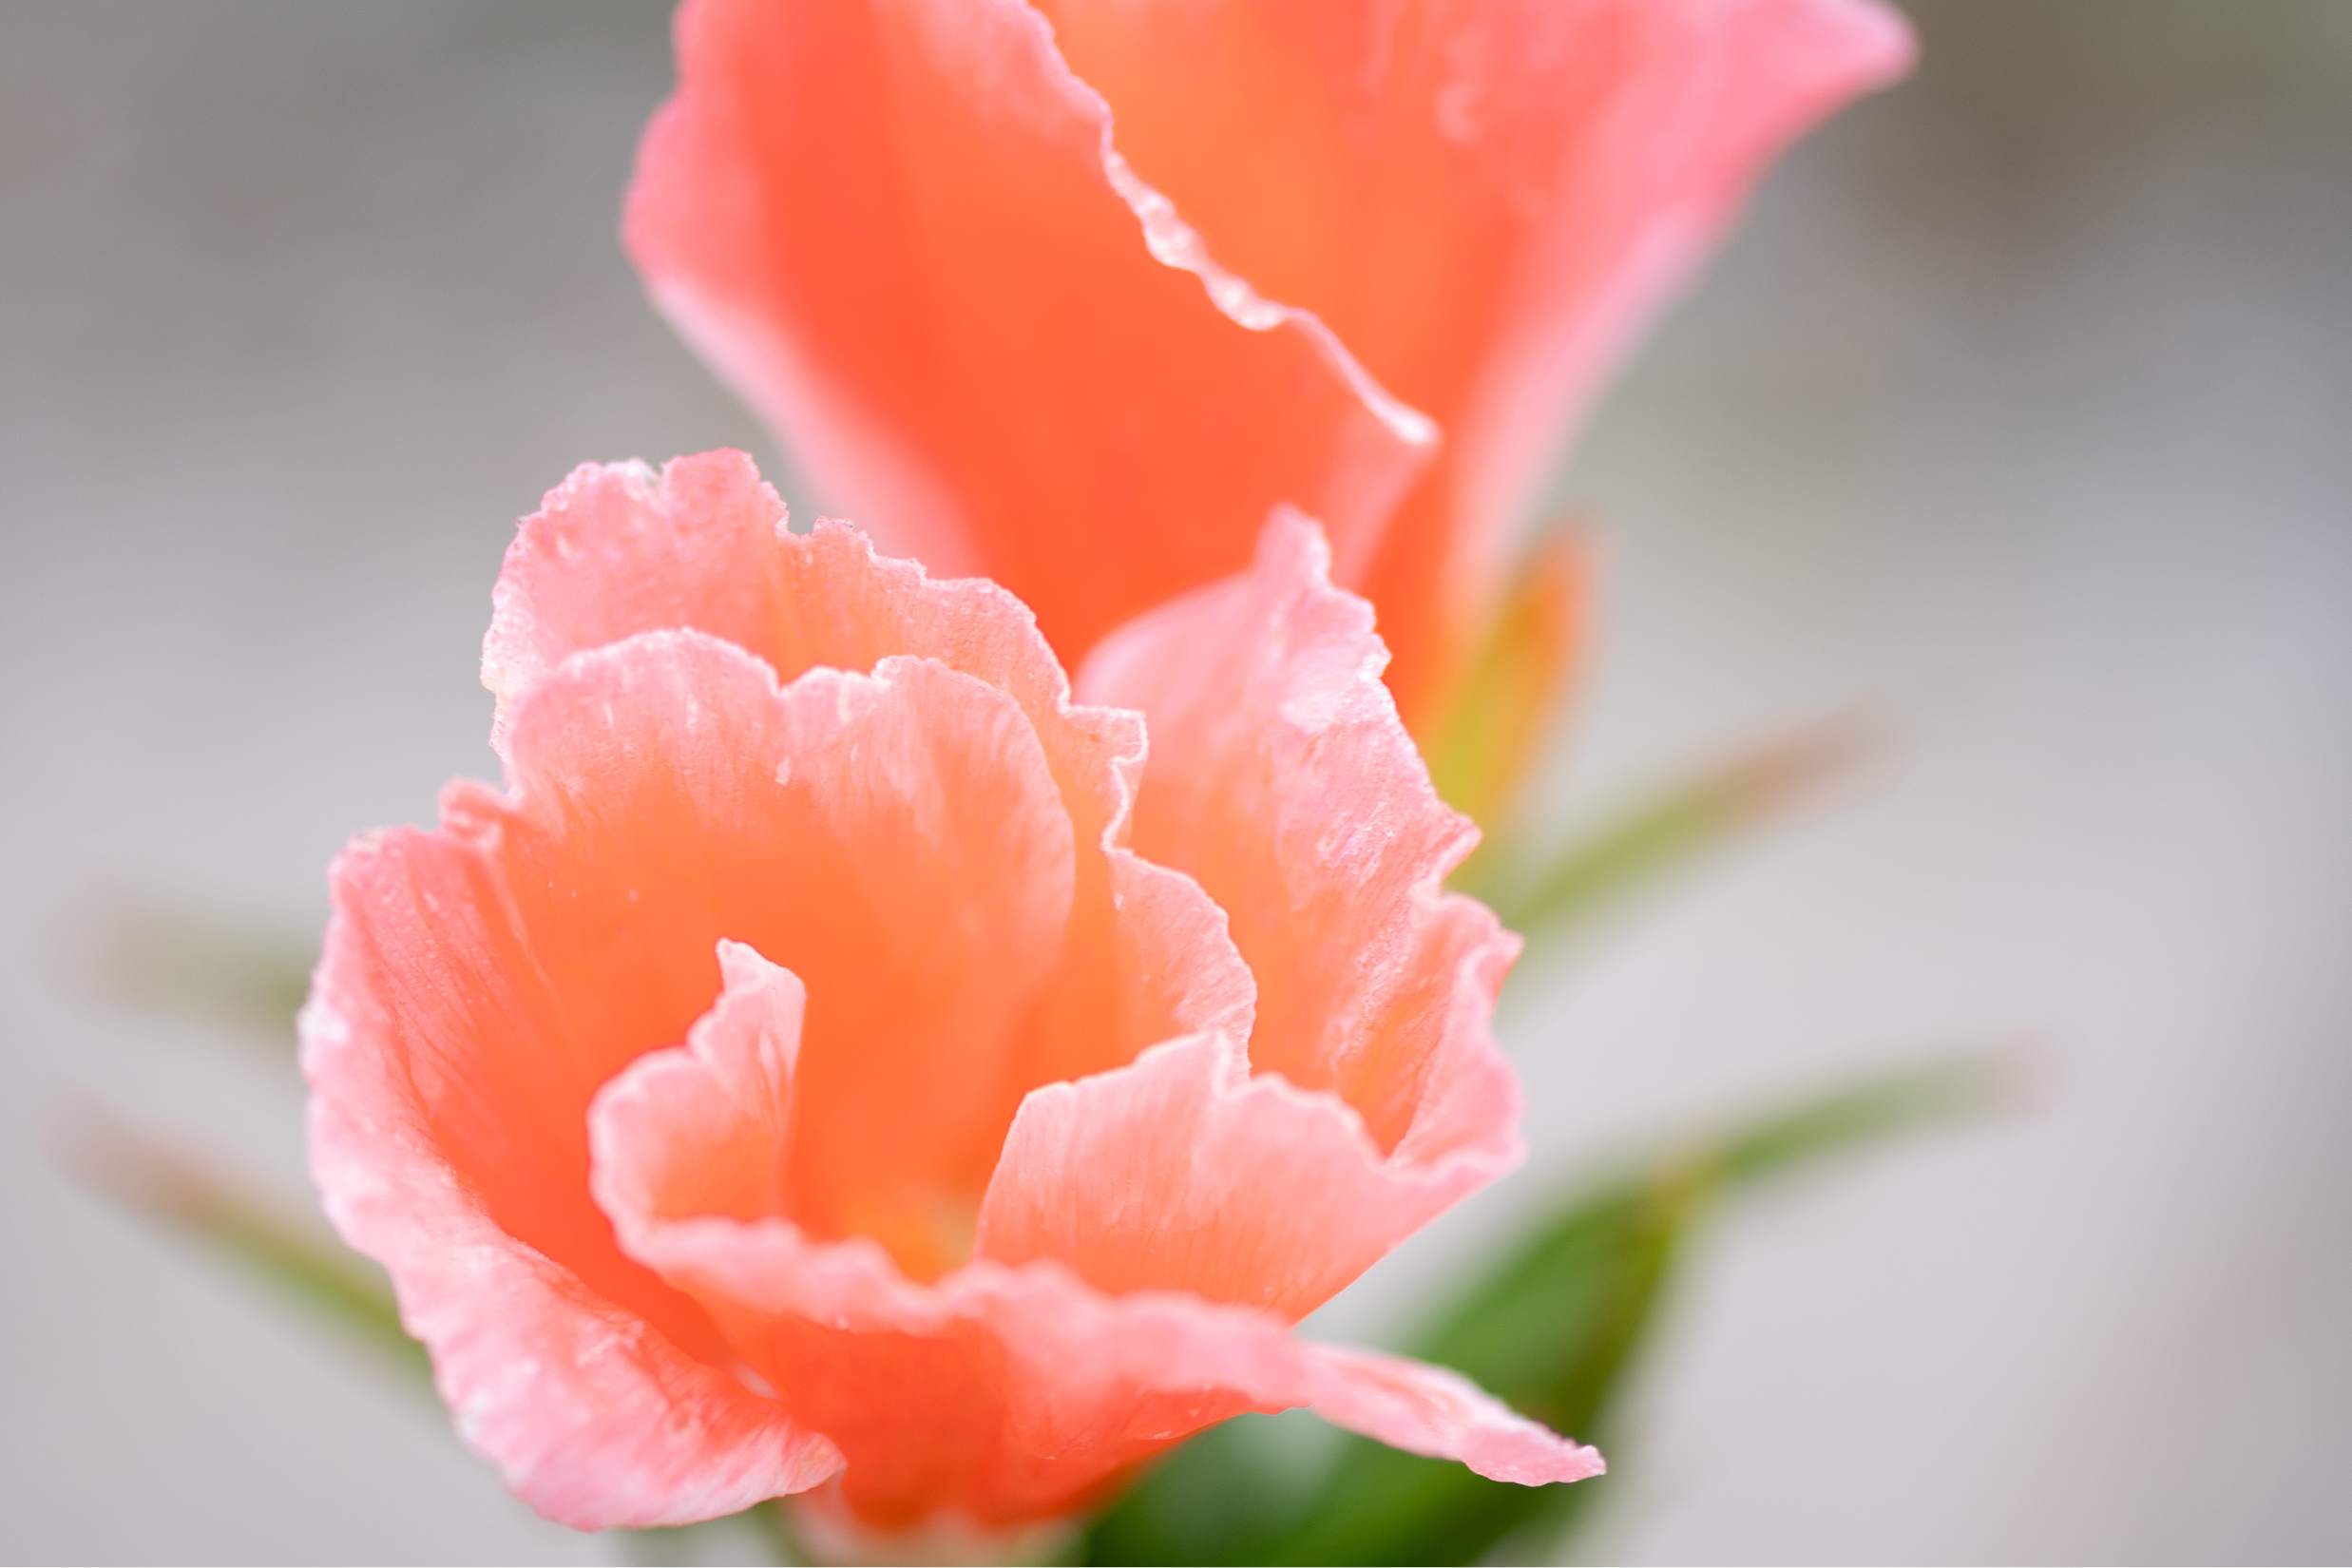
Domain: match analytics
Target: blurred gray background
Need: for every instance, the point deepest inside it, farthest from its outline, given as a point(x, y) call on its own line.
point(2017, 411)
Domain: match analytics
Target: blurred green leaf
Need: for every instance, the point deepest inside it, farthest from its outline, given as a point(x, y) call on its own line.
point(1667, 831)
point(295, 1258)
point(176, 958)
point(179, 1191)
point(1552, 1330)
point(1225, 1497)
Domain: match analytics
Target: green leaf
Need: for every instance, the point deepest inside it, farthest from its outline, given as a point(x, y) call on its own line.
point(1550, 1333)
point(1221, 1498)
point(1668, 830)
point(295, 1258)
point(1553, 1330)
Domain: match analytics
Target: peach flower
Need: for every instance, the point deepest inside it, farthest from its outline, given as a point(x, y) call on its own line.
point(1076, 291)
point(841, 1054)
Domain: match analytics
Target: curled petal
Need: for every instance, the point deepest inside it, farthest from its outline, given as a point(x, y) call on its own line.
point(903, 232)
point(1430, 1411)
point(733, 1080)
point(1282, 779)
point(1010, 1392)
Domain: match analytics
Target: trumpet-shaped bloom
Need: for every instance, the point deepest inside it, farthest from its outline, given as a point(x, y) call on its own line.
point(842, 1052)
point(1076, 291)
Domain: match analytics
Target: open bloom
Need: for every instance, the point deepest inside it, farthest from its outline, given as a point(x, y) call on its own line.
point(841, 1052)
point(1075, 290)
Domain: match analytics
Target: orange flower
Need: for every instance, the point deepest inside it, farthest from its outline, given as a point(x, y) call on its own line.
point(840, 1055)
point(1075, 293)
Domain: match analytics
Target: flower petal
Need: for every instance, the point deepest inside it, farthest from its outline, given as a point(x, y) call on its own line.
point(1430, 1411)
point(1182, 1171)
point(1281, 778)
point(731, 1087)
point(1484, 199)
point(569, 1376)
point(1004, 1394)
point(618, 549)
point(902, 231)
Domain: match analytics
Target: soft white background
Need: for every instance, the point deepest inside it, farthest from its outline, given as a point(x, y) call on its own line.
point(2018, 411)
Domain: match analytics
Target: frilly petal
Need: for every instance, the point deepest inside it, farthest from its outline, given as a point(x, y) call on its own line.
point(999, 1393)
point(1281, 778)
point(618, 548)
point(701, 545)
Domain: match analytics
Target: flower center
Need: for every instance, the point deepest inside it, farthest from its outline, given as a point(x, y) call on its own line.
point(926, 1236)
